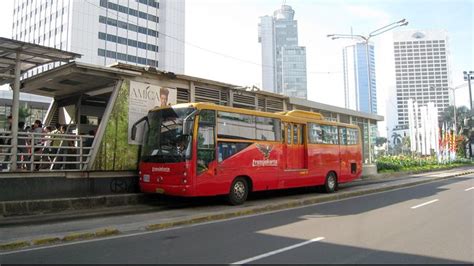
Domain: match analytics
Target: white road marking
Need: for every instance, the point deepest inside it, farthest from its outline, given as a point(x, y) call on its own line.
point(271, 253)
point(423, 204)
point(469, 189)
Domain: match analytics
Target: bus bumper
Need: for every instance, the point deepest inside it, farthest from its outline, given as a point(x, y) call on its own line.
point(174, 190)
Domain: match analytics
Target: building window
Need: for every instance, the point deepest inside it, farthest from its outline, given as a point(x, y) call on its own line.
point(129, 11)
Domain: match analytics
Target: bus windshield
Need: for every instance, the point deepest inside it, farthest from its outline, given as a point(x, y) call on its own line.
point(165, 140)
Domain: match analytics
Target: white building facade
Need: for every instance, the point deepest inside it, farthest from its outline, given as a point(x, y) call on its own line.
point(283, 61)
point(422, 70)
point(106, 31)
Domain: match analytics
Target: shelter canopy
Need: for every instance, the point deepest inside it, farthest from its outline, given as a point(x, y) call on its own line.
point(30, 56)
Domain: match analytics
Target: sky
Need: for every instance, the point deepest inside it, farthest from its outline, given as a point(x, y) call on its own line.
point(221, 40)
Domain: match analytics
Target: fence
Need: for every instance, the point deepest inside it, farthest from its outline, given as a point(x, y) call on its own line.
point(46, 151)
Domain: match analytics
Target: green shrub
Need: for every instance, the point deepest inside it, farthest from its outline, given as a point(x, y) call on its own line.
point(405, 163)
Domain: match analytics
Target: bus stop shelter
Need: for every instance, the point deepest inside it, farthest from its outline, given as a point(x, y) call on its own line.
point(16, 58)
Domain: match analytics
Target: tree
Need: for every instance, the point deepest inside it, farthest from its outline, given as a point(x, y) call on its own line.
point(396, 138)
point(23, 113)
point(379, 141)
point(461, 113)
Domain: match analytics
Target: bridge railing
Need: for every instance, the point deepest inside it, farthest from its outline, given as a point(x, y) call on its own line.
point(46, 151)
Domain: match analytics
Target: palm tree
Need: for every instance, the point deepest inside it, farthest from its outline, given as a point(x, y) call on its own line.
point(397, 138)
point(461, 113)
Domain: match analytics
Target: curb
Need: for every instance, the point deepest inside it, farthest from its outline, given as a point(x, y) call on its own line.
point(56, 240)
point(219, 216)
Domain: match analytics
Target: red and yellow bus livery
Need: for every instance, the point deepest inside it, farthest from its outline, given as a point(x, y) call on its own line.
point(202, 149)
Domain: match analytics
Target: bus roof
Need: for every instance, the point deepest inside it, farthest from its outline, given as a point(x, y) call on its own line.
point(296, 116)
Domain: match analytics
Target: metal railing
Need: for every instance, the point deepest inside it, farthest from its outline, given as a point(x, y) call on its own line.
point(46, 151)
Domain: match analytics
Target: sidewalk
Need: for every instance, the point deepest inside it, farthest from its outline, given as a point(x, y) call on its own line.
point(18, 232)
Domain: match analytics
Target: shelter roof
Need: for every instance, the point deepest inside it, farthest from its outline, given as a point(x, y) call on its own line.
point(30, 56)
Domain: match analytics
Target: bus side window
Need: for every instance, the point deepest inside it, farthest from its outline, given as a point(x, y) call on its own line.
point(206, 149)
point(288, 133)
point(295, 134)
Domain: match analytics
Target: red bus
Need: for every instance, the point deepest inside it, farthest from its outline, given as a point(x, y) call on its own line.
point(202, 149)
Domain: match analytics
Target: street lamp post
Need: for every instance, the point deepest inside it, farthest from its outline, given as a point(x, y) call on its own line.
point(468, 76)
point(366, 39)
point(454, 105)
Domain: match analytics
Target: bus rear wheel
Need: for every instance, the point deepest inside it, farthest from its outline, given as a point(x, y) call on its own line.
point(331, 182)
point(239, 191)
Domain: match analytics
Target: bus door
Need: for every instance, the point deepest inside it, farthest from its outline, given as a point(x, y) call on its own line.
point(344, 155)
point(206, 162)
point(295, 148)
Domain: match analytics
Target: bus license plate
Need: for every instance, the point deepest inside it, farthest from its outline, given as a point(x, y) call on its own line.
point(160, 190)
point(146, 178)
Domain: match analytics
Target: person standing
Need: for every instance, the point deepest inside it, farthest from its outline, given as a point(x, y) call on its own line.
point(47, 146)
point(38, 142)
point(22, 157)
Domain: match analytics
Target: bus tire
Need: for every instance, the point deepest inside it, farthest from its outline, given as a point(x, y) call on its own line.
point(330, 185)
point(239, 191)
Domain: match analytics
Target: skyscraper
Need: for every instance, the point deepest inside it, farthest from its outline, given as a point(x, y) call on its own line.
point(356, 77)
point(421, 69)
point(283, 61)
point(106, 31)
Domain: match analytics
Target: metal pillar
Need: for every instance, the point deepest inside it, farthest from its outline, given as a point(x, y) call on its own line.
point(15, 112)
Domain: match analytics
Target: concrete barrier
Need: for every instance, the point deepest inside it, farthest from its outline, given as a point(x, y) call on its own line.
point(31, 207)
point(47, 185)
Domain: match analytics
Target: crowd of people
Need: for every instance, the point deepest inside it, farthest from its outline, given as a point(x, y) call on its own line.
point(49, 148)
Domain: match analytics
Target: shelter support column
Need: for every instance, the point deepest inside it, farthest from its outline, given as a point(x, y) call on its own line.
point(15, 112)
point(99, 135)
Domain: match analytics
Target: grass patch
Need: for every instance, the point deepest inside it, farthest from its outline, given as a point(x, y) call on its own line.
point(15, 245)
point(78, 236)
point(46, 241)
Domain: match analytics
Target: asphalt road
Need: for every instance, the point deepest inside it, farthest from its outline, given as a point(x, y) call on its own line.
point(430, 223)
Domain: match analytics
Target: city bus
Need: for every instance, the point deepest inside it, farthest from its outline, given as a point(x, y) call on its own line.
point(203, 149)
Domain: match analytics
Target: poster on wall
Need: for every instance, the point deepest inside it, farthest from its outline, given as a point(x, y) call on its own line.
point(142, 98)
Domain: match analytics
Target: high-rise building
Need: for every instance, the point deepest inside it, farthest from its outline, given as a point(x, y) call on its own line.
point(356, 78)
point(106, 31)
point(283, 61)
point(421, 69)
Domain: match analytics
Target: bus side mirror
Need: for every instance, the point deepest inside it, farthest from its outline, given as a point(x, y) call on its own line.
point(134, 127)
point(134, 132)
point(188, 123)
point(188, 127)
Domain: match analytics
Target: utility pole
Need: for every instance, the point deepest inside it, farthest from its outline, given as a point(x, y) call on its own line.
point(468, 76)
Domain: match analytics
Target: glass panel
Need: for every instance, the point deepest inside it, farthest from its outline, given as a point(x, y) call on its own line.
point(268, 128)
point(165, 141)
point(343, 135)
point(315, 133)
point(236, 126)
point(288, 134)
point(295, 134)
point(206, 140)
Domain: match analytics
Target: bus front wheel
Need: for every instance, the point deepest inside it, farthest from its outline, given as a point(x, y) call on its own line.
point(331, 182)
point(238, 191)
